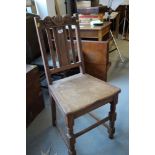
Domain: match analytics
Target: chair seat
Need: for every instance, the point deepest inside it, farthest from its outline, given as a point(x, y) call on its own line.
point(80, 91)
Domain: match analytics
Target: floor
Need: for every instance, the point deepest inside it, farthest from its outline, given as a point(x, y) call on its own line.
point(43, 139)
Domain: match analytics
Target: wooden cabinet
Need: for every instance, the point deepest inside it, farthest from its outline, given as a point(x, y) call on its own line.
point(34, 98)
point(96, 58)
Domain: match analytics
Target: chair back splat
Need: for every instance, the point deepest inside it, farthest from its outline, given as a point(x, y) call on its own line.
point(59, 31)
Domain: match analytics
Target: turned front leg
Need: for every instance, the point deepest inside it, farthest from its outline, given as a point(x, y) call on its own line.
point(112, 117)
point(70, 135)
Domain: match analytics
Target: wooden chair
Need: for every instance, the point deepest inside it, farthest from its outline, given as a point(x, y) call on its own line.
point(76, 95)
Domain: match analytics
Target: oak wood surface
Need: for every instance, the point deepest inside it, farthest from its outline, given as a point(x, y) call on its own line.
point(79, 94)
point(97, 32)
point(96, 58)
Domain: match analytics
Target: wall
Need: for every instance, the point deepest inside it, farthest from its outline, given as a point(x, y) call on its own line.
point(45, 8)
point(41, 8)
point(51, 7)
point(114, 4)
point(105, 2)
point(62, 6)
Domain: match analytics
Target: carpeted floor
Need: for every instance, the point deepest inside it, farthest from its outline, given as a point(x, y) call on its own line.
point(43, 139)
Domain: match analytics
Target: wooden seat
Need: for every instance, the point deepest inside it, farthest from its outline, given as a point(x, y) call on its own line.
point(76, 95)
point(80, 91)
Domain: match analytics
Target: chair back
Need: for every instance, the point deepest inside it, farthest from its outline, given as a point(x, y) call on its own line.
point(62, 32)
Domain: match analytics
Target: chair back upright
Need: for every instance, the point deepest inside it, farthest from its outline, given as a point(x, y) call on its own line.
point(59, 31)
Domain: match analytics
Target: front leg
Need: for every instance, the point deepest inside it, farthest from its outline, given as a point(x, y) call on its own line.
point(70, 135)
point(112, 117)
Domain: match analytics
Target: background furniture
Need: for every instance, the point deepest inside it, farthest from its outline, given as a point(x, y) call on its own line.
point(83, 4)
point(31, 4)
point(32, 45)
point(96, 32)
point(33, 54)
point(100, 12)
point(121, 9)
point(71, 6)
point(115, 19)
point(92, 10)
point(76, 95)
point(86, 3)
point(125, 23)
point(96, 58)
point(34, 98)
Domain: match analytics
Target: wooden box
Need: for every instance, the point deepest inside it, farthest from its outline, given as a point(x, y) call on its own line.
point(34, 98)
point(96, 58)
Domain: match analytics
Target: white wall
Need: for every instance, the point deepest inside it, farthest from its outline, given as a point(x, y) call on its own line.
point(41, 8)
point(62, 7)
point(114, 4)
point(51, 7)
point(45, 8)
point(105, 2)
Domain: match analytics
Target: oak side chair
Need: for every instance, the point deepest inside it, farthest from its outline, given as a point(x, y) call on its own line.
point(76, 95)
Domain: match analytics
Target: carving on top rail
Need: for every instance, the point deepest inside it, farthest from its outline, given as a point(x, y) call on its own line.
point(57, 21)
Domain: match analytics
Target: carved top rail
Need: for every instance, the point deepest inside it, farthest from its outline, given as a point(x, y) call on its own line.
point(58, 21)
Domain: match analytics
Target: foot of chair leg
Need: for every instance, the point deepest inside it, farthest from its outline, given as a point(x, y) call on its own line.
point(111, 133)
point(71, 145)
point(70, 135)
point(53, 109)
point(111, 129)
point(112, 118)
point(72, 151)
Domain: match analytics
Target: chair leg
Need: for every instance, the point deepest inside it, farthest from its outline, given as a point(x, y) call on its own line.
point(70, 135)
point(112, 117)
point(53, 109)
